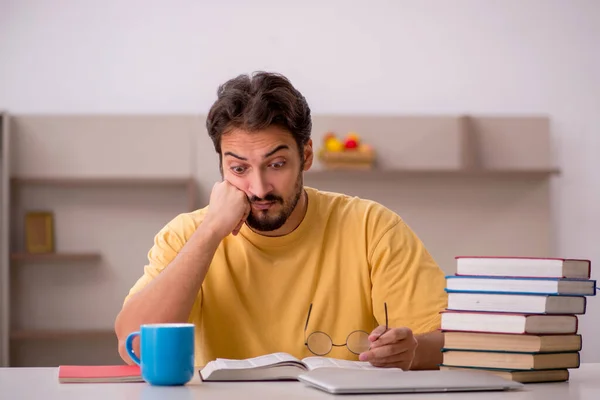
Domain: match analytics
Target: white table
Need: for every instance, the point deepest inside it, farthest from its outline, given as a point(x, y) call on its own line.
point(42, 383)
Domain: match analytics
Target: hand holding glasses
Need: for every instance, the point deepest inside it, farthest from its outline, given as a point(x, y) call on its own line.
point(319, 343)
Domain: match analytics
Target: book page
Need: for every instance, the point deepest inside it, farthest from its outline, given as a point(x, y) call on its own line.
point(326, 362)
point(261, 361)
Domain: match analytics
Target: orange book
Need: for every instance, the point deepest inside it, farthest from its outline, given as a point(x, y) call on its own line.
point(99, 373)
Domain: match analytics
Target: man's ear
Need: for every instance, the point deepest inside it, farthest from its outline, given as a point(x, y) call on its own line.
point(308, 155)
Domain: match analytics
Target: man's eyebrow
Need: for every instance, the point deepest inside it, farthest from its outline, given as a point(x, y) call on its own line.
point(228, 153)
point(270, 153)
point(276, 149)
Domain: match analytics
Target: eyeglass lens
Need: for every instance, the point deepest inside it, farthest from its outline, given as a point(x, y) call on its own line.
point(320, 343)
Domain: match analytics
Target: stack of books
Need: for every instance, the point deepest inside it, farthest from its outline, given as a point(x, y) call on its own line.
point(516, 317)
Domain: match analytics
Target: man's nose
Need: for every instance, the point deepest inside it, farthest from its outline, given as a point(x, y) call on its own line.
point(259, 186)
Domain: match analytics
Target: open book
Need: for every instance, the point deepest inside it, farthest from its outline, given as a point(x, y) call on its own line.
point(275, 366)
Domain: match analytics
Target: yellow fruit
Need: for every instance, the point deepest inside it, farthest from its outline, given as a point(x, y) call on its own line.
point(333, 144)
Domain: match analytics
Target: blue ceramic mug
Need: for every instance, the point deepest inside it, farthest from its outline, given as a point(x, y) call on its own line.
point(167, 353)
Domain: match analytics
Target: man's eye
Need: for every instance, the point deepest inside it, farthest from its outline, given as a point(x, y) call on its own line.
point(238, 170)
point(278, 165)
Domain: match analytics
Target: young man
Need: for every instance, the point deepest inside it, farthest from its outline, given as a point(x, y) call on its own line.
point(267, 252)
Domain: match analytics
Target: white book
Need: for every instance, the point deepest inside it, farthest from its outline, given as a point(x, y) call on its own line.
point(508, 323)
point(516, 303)
point(523, 267)
point(275, 366)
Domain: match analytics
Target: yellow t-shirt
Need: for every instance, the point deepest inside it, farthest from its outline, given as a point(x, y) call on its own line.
point(348, 257)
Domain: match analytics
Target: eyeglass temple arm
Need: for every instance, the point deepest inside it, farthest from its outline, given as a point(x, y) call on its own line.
point(386, 316)
point(307, 318)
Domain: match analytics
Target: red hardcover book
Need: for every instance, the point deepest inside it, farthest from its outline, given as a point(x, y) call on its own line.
point(99, 373)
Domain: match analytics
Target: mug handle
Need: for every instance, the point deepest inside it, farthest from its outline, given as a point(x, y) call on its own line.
point(129, 347)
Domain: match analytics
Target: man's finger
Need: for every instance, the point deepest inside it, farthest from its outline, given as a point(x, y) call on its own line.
point(383, 352)
point(403, 361)
point(391, 336)
point(377, 332)
point(237, 229)
point(241, 223)
point(395, 359)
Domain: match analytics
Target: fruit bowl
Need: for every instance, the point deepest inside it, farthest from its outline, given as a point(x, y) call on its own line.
point(349, 153)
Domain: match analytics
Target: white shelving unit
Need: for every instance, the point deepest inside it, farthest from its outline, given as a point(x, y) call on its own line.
point(111, 183)
point(4, 240)
point(466, 184)
point(23, 263)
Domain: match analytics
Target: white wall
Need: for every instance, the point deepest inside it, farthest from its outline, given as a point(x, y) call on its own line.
point(511, 56)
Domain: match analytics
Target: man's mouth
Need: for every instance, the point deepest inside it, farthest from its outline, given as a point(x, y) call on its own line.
point(263, 205)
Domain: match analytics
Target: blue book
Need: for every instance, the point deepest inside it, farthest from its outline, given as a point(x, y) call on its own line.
point(541, 286)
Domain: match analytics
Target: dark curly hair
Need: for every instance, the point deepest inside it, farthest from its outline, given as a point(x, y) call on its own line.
point(255, 102)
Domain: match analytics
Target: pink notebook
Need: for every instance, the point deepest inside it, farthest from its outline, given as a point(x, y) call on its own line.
point(99, 373)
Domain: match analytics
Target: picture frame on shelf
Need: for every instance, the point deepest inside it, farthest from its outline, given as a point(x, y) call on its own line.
point(39, 232)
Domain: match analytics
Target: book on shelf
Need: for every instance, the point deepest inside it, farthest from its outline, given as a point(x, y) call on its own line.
point(517, 303)
point(501, 284)
point(526, 267)
point(275, 366)
point(526, 343)
point(523, 376)
point(479, 321)
point(510, 360)
point(99, 373)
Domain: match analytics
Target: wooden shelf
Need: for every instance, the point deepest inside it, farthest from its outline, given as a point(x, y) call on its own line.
point(130, 182)
point(30, 334)
point(407, 173)
point(55, 257)
point(103, 181)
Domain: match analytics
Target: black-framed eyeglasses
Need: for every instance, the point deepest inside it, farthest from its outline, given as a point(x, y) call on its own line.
point(319, 343)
